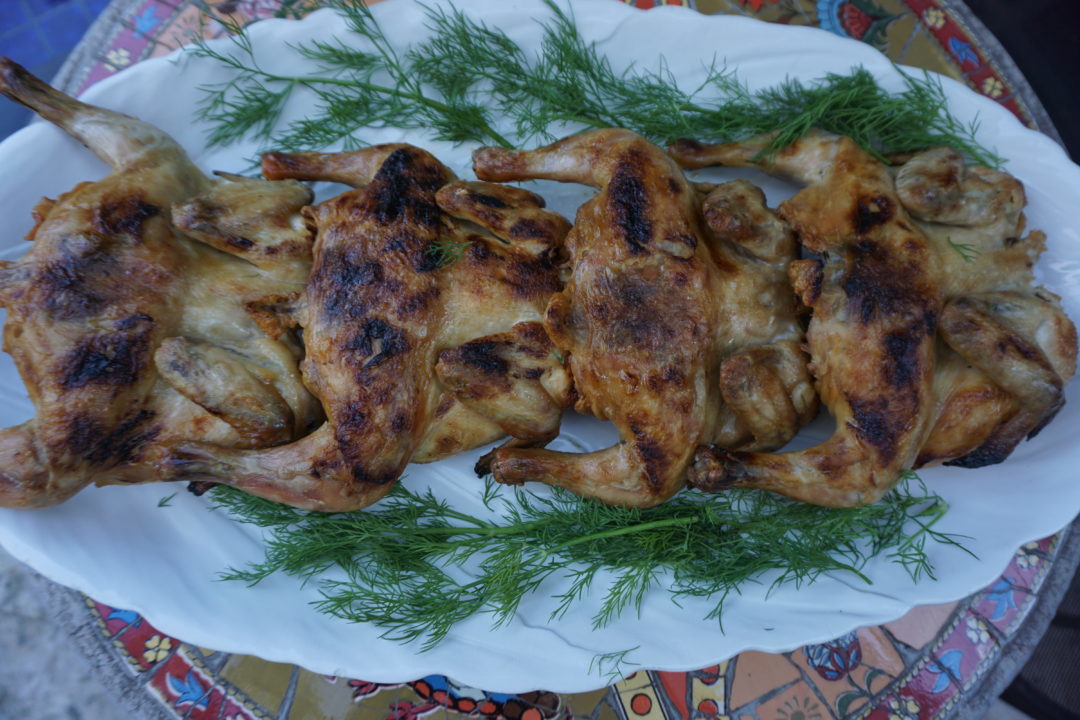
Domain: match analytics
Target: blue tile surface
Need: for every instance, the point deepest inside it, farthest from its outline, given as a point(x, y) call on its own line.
point(40, 34)
point(64, 26)
point(95, 6)
point(14, 14)
point(24, 46)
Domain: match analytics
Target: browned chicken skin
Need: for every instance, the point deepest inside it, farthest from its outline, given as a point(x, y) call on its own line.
point(1006, 347)
point(765, 384)
point(412, 362)
point(149, 356)
point(656, 302)
point(255, 220)
point(127, 335)
point(876, 297)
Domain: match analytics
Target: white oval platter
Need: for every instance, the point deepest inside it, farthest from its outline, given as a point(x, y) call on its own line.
point(116, 545)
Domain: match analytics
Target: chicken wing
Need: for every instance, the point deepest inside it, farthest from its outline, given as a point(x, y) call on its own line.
point(127, 335)
point(411, 360)
point(876, 298)
point(256, 220)
point(663, 317)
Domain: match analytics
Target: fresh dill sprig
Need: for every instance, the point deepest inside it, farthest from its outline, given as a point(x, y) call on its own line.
point(415, 567)
point(166, 501)
point(572, 82)
point(467, 75)
point(356, 88)
point(965, 250)
point(613, 666)
point(447, 251)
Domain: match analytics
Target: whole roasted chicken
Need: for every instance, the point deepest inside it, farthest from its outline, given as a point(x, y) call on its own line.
point(413, 361)
point(679, 330)
point(127, 335)
point(874, 288)
point(956, 363)
point(1006, 347)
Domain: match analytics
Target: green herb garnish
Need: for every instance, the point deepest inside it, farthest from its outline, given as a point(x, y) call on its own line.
point(466, 74)
point(613, 666)
point(166, 501)
point(965, 250)
point(373, 88)
point(448, 251)
point(415, 567)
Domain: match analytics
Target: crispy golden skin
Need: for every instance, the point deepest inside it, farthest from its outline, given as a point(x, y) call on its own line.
point(254, 220)
point(1006, 347)
point(876, 297)
point(412, 361)
point(127, 335)
point(662, 318)
point(765, 383)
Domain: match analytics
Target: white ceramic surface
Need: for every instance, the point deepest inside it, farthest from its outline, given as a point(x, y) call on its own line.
point(116, 545)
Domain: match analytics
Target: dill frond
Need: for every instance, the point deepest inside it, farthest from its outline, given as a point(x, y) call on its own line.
point(467, 77)
point(415, 567)
point(362, 83)
point(613, 666)
point(965, 250)
point(447, 251)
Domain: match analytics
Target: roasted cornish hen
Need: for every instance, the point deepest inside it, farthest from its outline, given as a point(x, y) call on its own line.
point(874, 289)
point(1006, 347)
point(412, 361)
point(127, 335)
point(764, 379)
point(664, 318)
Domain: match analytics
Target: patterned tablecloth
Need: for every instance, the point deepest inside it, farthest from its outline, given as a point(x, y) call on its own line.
point(937, 661)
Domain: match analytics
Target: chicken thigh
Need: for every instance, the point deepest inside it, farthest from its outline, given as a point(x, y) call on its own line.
point(765, 383)
point(874, 289)
point(663, 318)
point(127, 335)
point(413, 361)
